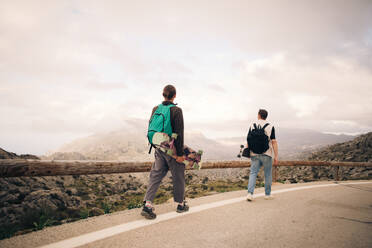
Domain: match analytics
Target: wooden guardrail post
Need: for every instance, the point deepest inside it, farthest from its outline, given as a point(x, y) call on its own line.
point(275, 168)
point(276, 173)
point(337, 173)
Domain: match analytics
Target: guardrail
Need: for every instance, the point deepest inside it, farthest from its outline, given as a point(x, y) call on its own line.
point(32, 168)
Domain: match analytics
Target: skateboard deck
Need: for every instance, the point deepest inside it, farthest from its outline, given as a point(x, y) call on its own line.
point(166, 144)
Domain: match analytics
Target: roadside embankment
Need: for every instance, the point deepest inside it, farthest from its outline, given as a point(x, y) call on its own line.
point(31, 203)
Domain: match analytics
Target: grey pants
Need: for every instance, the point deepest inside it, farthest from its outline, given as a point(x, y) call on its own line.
point(159, 169)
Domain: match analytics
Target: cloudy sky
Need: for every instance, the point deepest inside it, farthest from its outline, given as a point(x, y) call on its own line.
point(72, 68)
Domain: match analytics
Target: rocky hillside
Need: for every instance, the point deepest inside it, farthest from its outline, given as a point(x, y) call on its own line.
point(10, 155)
point(357, 150)
point(32, 203)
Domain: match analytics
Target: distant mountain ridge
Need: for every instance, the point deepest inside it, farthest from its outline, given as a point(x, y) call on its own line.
point(356, 150)
point(124, 146)
point(115, 145)
point(130, 144)
point(11, 155)
point(294, 143)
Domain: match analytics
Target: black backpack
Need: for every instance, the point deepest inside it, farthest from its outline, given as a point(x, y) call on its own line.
point(258, 141)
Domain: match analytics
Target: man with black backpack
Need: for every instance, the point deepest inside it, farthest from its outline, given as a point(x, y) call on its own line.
point(166, 119)
point(262, 143)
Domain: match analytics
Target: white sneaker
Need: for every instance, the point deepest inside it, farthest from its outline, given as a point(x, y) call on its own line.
point(269, 197)
point(249, 197)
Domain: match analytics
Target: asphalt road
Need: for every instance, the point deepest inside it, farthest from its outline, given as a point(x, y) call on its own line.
point(330, 216)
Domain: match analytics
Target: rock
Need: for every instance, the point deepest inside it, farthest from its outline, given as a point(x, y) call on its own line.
point(73, 212)
point(46, 204)
point(68, 181)
point(3, 194)
point(74, 201)
point(35, 195)
point(132, 192)
point(18, 210)
point(57, 195)
point(96, 212)
point(17, 181)
point(29, 205)
point(71, 191)
point(10, 198)
point(12, 189)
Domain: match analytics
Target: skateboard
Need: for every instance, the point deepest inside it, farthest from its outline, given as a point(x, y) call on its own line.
point(244, 152)
point(165, 143)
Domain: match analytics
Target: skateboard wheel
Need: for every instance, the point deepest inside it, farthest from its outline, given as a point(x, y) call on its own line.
point(174, 135)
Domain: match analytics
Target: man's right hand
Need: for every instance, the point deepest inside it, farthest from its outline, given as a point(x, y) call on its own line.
point(180, 159)
point(275, 161)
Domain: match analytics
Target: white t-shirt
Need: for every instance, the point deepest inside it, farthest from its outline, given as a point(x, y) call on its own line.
point(269, 131)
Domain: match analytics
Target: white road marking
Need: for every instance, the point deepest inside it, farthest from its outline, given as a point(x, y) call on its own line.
point(111, 231)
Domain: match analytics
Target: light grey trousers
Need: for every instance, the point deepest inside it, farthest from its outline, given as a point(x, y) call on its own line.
point(159, 170)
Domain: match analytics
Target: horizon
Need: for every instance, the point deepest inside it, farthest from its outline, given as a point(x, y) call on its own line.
point(223, 140)
point(72, 69)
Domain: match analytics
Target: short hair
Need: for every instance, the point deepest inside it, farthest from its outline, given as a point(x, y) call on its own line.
point(263, 113)
point(169, 91)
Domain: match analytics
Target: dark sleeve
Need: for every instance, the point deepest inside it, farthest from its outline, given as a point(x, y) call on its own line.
point(272, 136)
point(177, 127)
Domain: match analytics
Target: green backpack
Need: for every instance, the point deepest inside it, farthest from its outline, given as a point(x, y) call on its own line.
point(160, 122)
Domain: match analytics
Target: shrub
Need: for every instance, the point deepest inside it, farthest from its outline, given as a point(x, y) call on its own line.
point(84, 213)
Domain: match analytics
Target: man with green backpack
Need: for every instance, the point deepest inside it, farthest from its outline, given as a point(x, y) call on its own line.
point(166, 119)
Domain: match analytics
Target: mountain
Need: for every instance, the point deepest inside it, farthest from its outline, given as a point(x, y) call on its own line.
point(356, 150)
point(10, 155)
point(294, 143)
point(124, 146)
point(213, 149)
point(66, 156)
point(130, 144)
point(116, 145)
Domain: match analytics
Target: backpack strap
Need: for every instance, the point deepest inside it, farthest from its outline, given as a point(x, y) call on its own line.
point(151, 146)
point(255, 126)
point(150, 149)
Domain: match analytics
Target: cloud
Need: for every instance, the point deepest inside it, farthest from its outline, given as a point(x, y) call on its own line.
point(70, 68)
point(305, 105)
